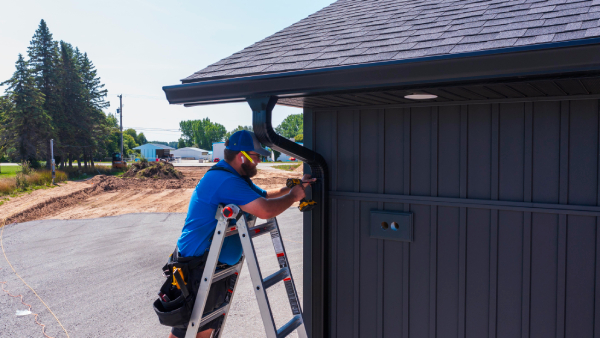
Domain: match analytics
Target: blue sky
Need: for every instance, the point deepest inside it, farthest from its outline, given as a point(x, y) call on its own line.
point(138, 46)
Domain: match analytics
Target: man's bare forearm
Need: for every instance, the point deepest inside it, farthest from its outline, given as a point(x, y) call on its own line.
point(274, 193)
point(268, 208)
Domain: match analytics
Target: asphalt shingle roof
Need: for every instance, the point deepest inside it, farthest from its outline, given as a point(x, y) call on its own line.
point(356, 32)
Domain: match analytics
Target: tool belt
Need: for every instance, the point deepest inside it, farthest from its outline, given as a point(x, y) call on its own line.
point(176, 296)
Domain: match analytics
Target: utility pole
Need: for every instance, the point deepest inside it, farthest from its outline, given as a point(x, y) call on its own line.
point(52, 164)
point(121, 118)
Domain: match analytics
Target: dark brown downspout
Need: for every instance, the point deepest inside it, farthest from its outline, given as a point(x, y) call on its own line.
point(315, 222)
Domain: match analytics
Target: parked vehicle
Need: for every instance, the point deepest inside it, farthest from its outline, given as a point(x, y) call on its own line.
point(217, 159)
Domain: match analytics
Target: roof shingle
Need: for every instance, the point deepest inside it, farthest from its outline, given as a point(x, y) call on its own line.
point(356, 32)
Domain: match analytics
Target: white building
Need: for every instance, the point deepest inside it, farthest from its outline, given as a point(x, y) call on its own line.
point(191, 153)
point(218, 150)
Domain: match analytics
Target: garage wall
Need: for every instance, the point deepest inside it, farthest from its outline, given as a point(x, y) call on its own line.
point(505, 199)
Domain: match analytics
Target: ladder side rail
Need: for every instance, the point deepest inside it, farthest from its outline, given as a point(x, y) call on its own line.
point(207, 276)
point(237, 280)
point(290, 286)
point(256, 276)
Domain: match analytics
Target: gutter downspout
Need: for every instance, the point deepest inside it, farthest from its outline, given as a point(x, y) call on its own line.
point(315, 222)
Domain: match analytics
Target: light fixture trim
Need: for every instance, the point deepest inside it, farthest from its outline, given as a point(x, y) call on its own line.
point(420, 96)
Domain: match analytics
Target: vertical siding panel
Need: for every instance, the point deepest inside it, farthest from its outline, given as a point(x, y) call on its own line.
point(448, 228)
point(369, 247)
point(434, 210)
point(356, 136)
point(544, 268)
point(462, 253)
point(394, 184)
point(512, 124)
point(335, 265)
point(478, 221)
point(345, 269)
point(510, 272)
point(309, 133)
point(597, 277)
point(546, 152)
point(510, 224)
point(562, 222)
point(581, 255)
point(380, 243)
point(581, 231)
point(583, 170)
point(494, 221)
point(527, 193)
point(419, 249)
point(544, 227)
point(406, 253)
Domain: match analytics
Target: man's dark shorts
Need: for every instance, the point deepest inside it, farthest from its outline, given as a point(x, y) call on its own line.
point(216, 297)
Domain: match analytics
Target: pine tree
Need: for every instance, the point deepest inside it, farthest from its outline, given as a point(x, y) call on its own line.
point(43, 59)
point(28, 123)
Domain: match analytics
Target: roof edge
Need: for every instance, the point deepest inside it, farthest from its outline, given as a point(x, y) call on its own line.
point(513, 61)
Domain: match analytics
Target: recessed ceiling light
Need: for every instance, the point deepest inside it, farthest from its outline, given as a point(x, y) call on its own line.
point(420, 96)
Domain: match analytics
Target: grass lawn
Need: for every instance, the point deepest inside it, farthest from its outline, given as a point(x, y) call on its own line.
point(287, 167)
point(9, 170)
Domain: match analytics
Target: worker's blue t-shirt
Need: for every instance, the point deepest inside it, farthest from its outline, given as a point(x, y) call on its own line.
point(217, 186)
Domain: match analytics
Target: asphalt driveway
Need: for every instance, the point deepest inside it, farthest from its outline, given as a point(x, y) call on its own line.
point(100, 276)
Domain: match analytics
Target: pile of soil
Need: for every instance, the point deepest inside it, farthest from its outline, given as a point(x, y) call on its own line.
point(159, 170)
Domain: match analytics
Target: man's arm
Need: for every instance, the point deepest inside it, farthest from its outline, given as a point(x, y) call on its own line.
point(274, 193)
point(268, 208)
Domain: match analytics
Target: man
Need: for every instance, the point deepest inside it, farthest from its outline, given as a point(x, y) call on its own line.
point(228, 182)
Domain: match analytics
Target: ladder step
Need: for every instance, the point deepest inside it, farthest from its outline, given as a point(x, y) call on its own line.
point(276, 278)
point(226, 272)
point(254, 231)
point(288, 328)
point(215, 314)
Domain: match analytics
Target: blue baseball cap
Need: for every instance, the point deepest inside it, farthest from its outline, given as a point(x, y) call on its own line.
point(245, 140)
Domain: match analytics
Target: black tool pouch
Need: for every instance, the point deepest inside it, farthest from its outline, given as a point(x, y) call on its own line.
point(175, 309)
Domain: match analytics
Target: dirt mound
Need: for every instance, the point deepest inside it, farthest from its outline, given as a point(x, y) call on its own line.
point(300, 168)
point(98, 184)
point(160, 170)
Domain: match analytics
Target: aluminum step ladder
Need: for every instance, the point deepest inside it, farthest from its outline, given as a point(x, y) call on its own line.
point(245, 227)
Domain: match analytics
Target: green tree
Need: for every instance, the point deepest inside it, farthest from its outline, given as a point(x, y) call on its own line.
point(291, 126)
point(181, 144)
point(43, 59)
point(229, 133)
point(299, 138)
point(132, 132)
point(203, 133)
point(28, 124)
point(141, 139)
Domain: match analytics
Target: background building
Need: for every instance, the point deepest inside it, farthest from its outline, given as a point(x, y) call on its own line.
point(153, 151)
point(192, 153)
point(218, 150)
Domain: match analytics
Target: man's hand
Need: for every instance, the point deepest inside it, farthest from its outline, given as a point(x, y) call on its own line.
point(307, 180)
point(297, 193)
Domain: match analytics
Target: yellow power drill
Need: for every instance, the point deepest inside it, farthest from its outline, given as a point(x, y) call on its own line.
point(305, 205)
